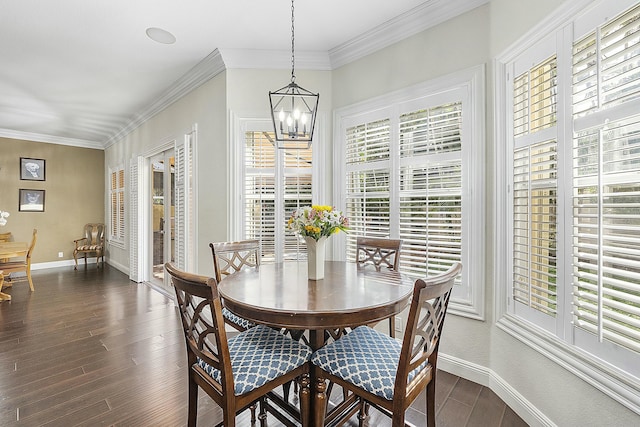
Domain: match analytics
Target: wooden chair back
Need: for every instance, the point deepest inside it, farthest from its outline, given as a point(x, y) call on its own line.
point(378, 252)
point(231, 257)
point(93, 234)
point(5, 237)
point(422, 338)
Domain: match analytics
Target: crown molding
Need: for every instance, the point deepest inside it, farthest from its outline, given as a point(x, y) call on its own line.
point(52, 139)
point(418, 19)
point(275, 59)
point(412, 22)
point(205, 70)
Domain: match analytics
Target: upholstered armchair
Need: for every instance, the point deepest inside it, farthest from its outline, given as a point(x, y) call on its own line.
point(91, 244)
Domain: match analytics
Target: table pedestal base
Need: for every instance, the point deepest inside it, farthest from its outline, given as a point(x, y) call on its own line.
point(3, 296)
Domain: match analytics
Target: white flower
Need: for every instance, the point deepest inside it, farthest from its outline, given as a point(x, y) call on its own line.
point(3, 217)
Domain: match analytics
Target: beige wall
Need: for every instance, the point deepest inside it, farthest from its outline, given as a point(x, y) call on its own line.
point(74, 195)
point(206, 108)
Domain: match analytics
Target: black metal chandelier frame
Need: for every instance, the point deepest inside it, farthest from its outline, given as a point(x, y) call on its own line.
point(293, 108)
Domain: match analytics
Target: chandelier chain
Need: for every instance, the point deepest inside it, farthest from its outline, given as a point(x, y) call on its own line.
point(293, 60)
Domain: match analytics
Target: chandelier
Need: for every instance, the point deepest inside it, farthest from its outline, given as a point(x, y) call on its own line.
point(293, 108)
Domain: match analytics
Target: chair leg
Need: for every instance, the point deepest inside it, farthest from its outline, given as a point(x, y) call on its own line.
point(262, 416)
point(392, 326)
point(305, 400)
point(431, 401)
point(193, 402)
point(29, 278)
point(75, 258)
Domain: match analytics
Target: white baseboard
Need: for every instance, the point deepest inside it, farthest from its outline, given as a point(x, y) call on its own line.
point(55, 264)
point(486, 377)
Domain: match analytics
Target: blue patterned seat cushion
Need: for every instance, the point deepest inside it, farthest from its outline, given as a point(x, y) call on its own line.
point(243, 323)
point(258, 356)
point(365, 358)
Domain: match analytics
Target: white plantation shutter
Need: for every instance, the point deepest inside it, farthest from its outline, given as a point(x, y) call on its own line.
point(116, 206)
point(575, 196)
point(136, 222)
point(534, 226)
point(296, 193)
point(181, 154)
point(606, 184)
point(260, 192)
point(367, 181)
point(534, 195)
point(431, 189)
point(607, 232)
point(276, 182)
point(412, 170)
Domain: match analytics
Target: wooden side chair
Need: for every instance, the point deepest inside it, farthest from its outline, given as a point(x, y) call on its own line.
point(229, 258)
point(239, 371)
point(91, 244)
point(18, 265)
point(385, 373)
point(379, 253)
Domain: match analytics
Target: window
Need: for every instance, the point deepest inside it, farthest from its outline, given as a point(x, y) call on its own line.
point(412, 166)
point(572, 196)
point(275, 183)
point(116, 206)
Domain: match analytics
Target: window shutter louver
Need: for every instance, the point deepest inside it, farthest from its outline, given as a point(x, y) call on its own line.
point(431, 189)
point(606, 187)
point(367, 181)
point(606, 243)
point(135, 258)
point(274, 187)
point(535, 188)
point(534, 246)
point(181, 229)
point(121, 220)
point(297, 193)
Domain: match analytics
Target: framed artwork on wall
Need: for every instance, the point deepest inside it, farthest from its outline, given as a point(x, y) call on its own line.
point(32, 169)
point(31, 200)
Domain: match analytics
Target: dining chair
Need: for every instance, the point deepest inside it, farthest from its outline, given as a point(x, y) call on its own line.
point(21, 265)
point(385, 373)
point(239, 371)
point(379, 253)
point(91, 243)
point(229, 258)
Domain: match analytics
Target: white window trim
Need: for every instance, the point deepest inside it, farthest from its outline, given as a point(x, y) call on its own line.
point(114, 241)
point(471, 303)
point(613, 382)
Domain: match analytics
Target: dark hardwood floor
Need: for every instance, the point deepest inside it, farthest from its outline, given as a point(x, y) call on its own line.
point(91, 348)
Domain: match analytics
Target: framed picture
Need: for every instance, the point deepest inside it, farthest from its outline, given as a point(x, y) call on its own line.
point(32, 169)
point(31, 200)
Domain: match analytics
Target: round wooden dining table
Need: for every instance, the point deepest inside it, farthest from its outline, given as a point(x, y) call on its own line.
point(281, 295)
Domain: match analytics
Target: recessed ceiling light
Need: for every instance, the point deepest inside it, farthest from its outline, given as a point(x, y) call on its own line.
point(161, 36)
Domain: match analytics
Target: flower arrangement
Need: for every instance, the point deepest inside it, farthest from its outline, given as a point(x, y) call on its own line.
point(3, 217)
point(317, 221)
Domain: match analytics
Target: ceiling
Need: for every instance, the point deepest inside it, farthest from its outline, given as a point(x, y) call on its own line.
point(85, 73)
